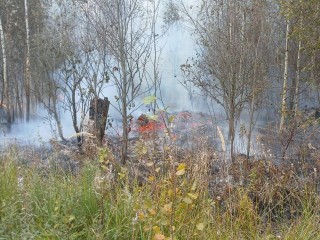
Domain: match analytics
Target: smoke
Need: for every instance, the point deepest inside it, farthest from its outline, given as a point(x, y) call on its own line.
point(40, 129)
point(177, 45)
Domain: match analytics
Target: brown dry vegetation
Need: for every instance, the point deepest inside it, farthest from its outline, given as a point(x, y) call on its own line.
point(165, 191)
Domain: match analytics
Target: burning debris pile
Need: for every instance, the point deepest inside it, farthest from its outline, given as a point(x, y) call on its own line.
point(153, 138)
point(182, 126)
point(147, 125)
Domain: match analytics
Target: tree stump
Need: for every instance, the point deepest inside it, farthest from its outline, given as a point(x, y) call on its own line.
point(98, 113)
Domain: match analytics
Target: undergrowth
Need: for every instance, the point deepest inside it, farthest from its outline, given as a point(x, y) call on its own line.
point(173, 203)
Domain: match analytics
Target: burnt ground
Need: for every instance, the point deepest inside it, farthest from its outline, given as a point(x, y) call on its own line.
point(275, 178)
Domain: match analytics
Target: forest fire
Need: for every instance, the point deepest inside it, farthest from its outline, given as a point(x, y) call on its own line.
point(179, 124)
point(147, 125)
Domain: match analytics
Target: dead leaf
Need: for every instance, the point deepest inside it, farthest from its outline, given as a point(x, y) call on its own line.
point(181, 166)
point(200, 226)
point(180, 172)
point(193, 195)
point(159, 236)
point(187, 200)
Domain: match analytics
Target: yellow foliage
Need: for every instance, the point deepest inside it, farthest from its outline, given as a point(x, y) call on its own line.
point(181, 166)
point(151, 178)
point(193, 195)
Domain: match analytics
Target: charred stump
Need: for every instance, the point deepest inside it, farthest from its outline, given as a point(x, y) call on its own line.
point(98, 113)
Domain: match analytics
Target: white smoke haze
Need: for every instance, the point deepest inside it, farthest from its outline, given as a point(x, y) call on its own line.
point(39, 130)
point(177, 46)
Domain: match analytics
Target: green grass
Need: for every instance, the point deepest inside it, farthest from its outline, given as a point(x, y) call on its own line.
point(58, 205)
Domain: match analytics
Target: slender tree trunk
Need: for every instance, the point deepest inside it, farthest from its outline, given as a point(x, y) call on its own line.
point(57, 119)
point(103, 121)
point(5, 75)
point(124, 78)
point(155, 57)
point(232, 124)
point(297, 88)
point(251, 124)
point(232, 135)
point(124, 90)
point(74, 115)
point(27, 71)
point(285, 82)
point(155, 74)
point(124, 114)
point(253, 99)
point(232, 109)
point(19, 105)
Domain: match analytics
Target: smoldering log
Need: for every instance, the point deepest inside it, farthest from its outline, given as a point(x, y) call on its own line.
point(98, 112)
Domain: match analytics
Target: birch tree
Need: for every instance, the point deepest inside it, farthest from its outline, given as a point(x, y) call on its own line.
point(4, 69)
point(262, 35)
point(284, 93)
point(305, 31)
point(230, 56)
point(27, 56)
point(20, 21)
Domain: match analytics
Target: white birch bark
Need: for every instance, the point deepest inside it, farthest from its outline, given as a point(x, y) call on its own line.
point(5, 75)
point(285, 82)
point(27, 70)
point(296, 101)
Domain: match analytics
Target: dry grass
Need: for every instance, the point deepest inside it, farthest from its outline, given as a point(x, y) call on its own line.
point(164, 192)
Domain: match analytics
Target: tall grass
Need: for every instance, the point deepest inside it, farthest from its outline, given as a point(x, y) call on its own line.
point(175, 205)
